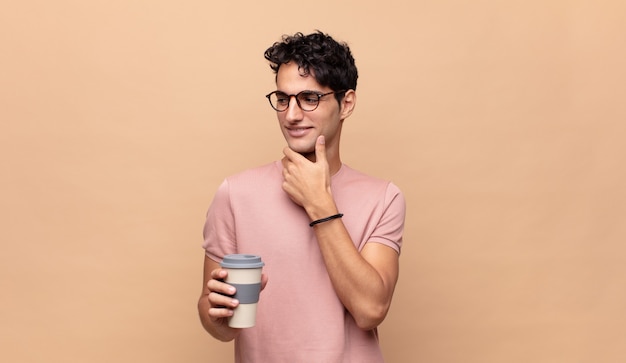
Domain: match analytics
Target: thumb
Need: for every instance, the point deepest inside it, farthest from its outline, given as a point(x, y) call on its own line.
point(320, 149)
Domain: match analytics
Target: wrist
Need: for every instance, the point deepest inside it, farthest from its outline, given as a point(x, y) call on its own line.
point(224, 333)
point(321, 212)
point(327, 219)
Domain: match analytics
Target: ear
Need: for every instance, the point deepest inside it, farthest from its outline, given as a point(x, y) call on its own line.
point(348, 103)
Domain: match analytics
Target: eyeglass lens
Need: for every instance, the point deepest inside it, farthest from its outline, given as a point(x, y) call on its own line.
point(307, 100)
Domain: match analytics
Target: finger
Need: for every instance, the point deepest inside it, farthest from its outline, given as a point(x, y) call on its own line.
point(293, 156)
point(285, 163)
point(220, 287)
point(219, 300)
point(320, 148)
point(286, 166)
point(219, 274)
point(289, 154)
point(220, 313)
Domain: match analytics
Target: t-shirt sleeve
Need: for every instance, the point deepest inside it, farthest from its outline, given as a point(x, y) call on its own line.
point(390, 228)
point(219, 227)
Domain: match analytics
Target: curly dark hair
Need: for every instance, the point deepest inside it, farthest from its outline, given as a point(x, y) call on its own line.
point(331, 62)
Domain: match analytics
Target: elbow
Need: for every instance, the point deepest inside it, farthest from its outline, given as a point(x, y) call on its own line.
point(371, 317)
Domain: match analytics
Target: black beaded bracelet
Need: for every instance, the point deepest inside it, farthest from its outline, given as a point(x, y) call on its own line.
point(339, 215)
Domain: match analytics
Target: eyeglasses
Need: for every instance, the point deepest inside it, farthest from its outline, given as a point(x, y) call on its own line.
point(306, 100)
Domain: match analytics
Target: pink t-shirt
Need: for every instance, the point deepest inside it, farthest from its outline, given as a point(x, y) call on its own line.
point(299, 316)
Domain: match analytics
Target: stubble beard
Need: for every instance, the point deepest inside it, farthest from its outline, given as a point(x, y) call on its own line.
point(307, 152)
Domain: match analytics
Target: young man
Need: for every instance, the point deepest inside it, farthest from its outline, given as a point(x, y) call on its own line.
point(330, 236)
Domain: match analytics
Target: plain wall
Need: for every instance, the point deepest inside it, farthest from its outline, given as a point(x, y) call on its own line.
point(502, 121)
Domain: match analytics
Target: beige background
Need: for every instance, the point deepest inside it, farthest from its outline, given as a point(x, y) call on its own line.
point(502, 121)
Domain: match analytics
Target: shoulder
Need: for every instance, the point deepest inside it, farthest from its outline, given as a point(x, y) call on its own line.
point(353, 187)
point(353, 178)
point(254, 175)
point(255, 184)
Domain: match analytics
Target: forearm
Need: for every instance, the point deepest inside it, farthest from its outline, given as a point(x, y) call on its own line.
point(360, 287)
point(363, 280)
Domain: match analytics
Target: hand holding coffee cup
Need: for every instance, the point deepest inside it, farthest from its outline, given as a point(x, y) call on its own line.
point(244, 273)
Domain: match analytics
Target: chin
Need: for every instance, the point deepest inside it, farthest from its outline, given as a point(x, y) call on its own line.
point(302, 148)
point(304, 151)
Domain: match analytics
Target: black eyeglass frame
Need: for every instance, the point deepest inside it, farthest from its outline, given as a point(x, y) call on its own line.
point(319, 97)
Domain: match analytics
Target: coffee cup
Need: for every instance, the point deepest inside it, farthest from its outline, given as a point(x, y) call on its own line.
point(244, 273)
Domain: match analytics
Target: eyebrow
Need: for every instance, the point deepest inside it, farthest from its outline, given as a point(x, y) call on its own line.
point(306, 90)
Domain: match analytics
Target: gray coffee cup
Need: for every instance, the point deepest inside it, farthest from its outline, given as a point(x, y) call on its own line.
point(244, 273)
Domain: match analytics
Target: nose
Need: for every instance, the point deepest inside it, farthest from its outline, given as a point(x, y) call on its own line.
point(293, 113)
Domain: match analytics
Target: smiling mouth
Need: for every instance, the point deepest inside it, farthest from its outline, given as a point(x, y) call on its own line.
point(298, 131)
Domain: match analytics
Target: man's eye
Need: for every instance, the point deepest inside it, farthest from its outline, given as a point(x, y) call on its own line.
point(310, 98)
point(282, 99)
